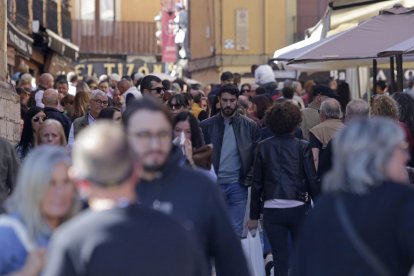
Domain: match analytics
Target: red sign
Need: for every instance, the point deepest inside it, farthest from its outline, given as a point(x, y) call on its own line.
point(167, 37)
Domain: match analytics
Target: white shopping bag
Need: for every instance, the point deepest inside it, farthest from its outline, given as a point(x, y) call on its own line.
point(252, 248)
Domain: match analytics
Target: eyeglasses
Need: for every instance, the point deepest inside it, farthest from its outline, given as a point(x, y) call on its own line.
point(175, 106)
point(245, 90)
point(146, 136)
point(37, 119)
point(159, 90)
point(101, 102)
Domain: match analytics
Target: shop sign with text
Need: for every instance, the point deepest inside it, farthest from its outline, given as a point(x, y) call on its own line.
point(121, 68)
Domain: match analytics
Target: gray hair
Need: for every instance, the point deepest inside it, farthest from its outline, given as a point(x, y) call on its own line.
point(331, 109)
point(95, 93)
point(102, 155)
point(360, 152)
point(357, 109)
point(33, 181)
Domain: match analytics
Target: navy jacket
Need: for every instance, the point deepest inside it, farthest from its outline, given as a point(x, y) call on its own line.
point(383, 218)
point(191, 197)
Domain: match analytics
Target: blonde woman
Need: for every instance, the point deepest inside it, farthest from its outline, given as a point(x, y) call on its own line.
point(51, 133)
point(43, 199)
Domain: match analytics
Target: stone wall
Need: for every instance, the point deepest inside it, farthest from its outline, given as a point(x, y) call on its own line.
point(9, 113)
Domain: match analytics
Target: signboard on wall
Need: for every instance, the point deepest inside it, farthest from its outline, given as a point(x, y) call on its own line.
point(122, 68)
point(242, 29)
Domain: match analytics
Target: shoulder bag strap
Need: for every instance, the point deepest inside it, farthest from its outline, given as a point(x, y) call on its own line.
point(363, 250)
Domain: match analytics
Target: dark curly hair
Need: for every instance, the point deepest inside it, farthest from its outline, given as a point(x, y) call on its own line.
point(283, 118)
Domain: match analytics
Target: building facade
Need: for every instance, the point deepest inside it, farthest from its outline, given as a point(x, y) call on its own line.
point(116, 36)
point(38, 36)
point(233, 35)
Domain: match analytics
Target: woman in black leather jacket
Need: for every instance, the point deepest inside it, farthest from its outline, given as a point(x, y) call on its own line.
point(284, 180)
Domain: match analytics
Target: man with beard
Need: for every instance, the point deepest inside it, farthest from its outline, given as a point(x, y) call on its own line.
point(169, 186)
point(234, 137)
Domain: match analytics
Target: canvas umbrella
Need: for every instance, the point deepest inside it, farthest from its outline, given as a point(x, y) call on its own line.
point(364, 41)
point(402, 48)
point(398, 50)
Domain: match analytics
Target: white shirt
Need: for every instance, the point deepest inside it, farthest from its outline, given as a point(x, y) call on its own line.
point(282, 203)
point(72, 89)
point(264, 74)
point(39, 98)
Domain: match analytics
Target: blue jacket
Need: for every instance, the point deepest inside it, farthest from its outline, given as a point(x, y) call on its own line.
point(12, 252)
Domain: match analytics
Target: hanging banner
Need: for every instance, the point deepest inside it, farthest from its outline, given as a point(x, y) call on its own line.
point(168, 36)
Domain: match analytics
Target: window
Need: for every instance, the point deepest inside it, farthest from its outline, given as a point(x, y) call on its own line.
point(87, 11)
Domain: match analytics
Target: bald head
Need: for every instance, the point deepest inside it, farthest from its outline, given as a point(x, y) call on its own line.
point(102, 155)
point(51, 98)
point(356, 109)
point(123, 85)
point(243, 101)
point(46, 80)
point(330, 109)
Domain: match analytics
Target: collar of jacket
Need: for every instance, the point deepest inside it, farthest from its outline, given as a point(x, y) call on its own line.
point(233, 118)
point(48, 108)
point(286, 135)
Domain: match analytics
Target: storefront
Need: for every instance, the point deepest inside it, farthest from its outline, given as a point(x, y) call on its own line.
point(122, 68)
point(19, 48)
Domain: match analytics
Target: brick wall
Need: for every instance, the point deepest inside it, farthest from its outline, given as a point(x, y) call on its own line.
point(9, 113)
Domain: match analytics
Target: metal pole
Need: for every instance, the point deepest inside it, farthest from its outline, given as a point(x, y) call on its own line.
point(399, 73)
point(3, 40)
point(392, 86)
point(374, 75)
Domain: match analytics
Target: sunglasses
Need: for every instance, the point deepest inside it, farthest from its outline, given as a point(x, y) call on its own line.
point(245, 90)
point(175, 106)
point(159, 90)
point(37, 119)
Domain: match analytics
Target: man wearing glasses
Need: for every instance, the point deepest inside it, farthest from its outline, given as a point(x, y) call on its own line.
point(97, 102)
point(171, 187)
point(152, 85)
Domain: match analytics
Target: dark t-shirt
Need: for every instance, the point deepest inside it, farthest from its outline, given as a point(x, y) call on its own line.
point(325, 154)
point(124, 241)
point(314, 142)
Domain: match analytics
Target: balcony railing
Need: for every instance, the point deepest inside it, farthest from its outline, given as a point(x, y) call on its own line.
point(115, 37)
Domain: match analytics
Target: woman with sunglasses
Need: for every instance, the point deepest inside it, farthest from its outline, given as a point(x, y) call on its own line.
point(246, 90)
point(32, 120)
point(178, 103)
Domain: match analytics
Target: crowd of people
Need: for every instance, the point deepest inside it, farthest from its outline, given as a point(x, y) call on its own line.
point(138, 175)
